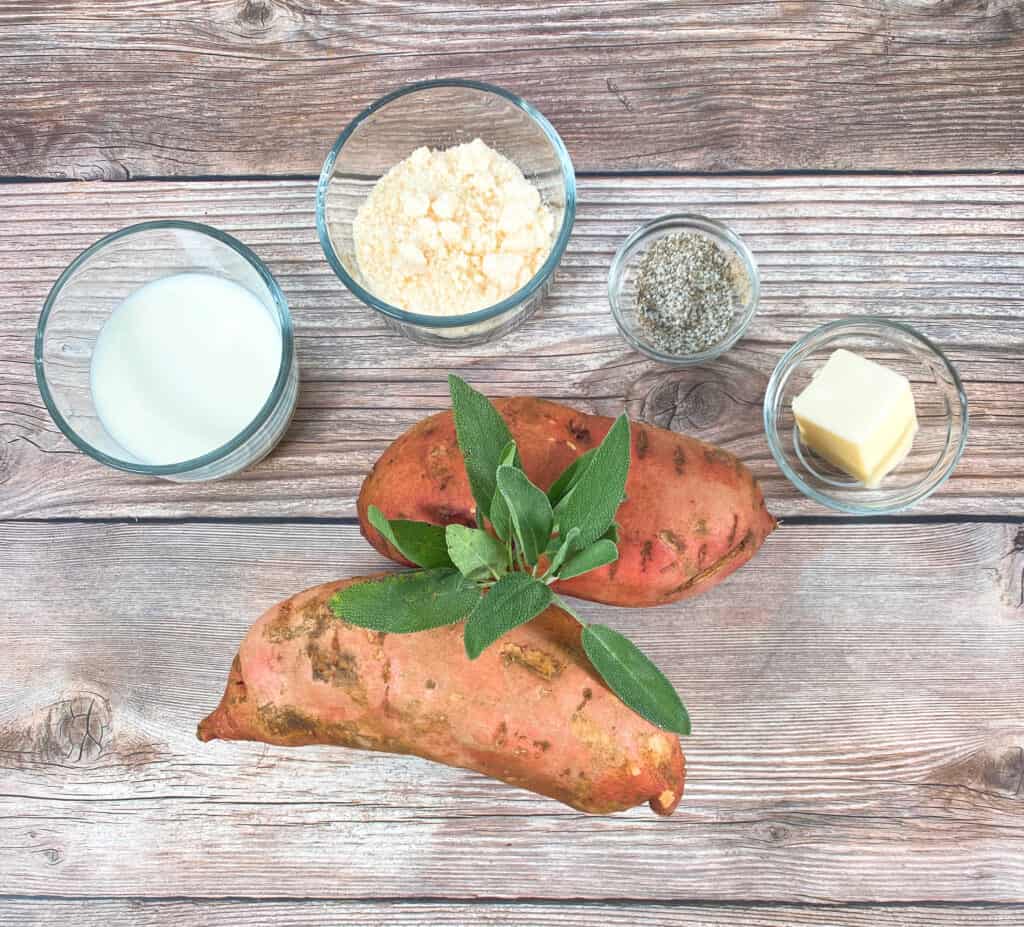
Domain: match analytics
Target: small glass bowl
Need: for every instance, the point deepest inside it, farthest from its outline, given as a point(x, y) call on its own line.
point(96, 282)
point(622, 284)
point(440, 114)
point(941, 414)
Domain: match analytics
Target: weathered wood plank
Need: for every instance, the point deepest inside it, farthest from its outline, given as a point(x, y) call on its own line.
point(114, 913)
point(100, 90)
point(944, 253)
point(855, 692)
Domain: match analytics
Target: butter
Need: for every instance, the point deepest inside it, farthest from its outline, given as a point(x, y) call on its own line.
point(858, 415)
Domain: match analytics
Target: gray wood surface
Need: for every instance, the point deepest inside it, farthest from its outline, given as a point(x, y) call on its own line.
point(944, 253)
point(857, 736)
point(106, 912)
point(858, 753)
point(134, 88)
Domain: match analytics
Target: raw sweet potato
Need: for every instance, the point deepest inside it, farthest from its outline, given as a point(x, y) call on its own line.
point(693, 513)
point(530, 711)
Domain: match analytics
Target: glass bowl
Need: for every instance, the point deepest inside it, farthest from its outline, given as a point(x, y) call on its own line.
point(96, 282)
point(440, 114)
point(622, 284)
point(941, 413)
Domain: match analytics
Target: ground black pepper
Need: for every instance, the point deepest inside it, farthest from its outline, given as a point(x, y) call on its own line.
point(688, 292)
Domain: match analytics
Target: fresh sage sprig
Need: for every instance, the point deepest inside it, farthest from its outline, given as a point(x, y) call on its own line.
point(499, 575)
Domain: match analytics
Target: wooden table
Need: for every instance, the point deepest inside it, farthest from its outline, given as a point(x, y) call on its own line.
point(857, 690)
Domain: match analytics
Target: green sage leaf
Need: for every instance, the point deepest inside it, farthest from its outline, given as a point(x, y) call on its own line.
point(635, 679)
point(407, 602)
point(422, 543)
point(612, 534)
point(592, 502)
point(499, 514)
point(510, 456)
point(501, 519)
point(476, 555)
point(568, 545)
point(483, 437)
point(599, 554)
point(513, 600)
point(569, 476)
point(529, 512)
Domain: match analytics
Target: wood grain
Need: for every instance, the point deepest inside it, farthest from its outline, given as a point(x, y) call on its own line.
point(158, 88)
point(855, 693)
point(946, 254)
point(106, 912)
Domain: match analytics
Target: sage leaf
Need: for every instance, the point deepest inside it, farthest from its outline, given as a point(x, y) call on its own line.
point(599, 554)
point(407, 602)
point(510, 456)
point(529, 512)
point(511, 601)
point(476, 555)
point(499, 514)
point(635, 679)
point(568, 545)
point(501, 519)
point(592, 502)
point(417, 541)
point(483, 437)
point(569, 476)
point(612, 534)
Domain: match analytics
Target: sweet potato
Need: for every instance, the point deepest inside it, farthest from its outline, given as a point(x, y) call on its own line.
point(530, 711)
point(693, 513)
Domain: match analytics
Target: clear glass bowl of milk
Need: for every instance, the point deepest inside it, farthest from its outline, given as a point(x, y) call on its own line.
point(166, 349)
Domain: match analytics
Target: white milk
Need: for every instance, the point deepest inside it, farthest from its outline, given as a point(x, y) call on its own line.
point(183, 365)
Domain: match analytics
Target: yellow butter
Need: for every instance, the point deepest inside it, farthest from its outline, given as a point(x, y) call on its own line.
point(858, 415)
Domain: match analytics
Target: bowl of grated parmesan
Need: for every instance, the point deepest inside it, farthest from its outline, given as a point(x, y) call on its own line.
point(446, 207)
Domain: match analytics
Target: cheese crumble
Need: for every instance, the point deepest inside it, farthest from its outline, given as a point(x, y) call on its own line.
point(452, 231)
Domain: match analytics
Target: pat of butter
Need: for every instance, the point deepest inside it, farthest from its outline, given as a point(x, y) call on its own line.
point(858, 415)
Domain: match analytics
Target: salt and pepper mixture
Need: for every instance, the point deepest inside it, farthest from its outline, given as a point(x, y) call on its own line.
point(688, 292)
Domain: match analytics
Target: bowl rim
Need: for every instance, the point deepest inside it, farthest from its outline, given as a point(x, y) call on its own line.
point(218, 453)
point(488, 312)
point(676, 221)
point(785, 367)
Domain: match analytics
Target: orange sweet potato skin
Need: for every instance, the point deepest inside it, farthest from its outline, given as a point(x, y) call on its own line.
point(530, 711)
point(693, 513)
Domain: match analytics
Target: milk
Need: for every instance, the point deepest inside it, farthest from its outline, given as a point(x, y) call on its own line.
point(183, 365)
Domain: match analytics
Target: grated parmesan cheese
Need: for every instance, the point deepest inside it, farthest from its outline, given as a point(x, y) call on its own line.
point(453, 231)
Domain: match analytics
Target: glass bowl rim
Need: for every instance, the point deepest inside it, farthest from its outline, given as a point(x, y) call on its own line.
point(218, 453)
point(785, 367)
point(716, 229)
point(488, 312)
